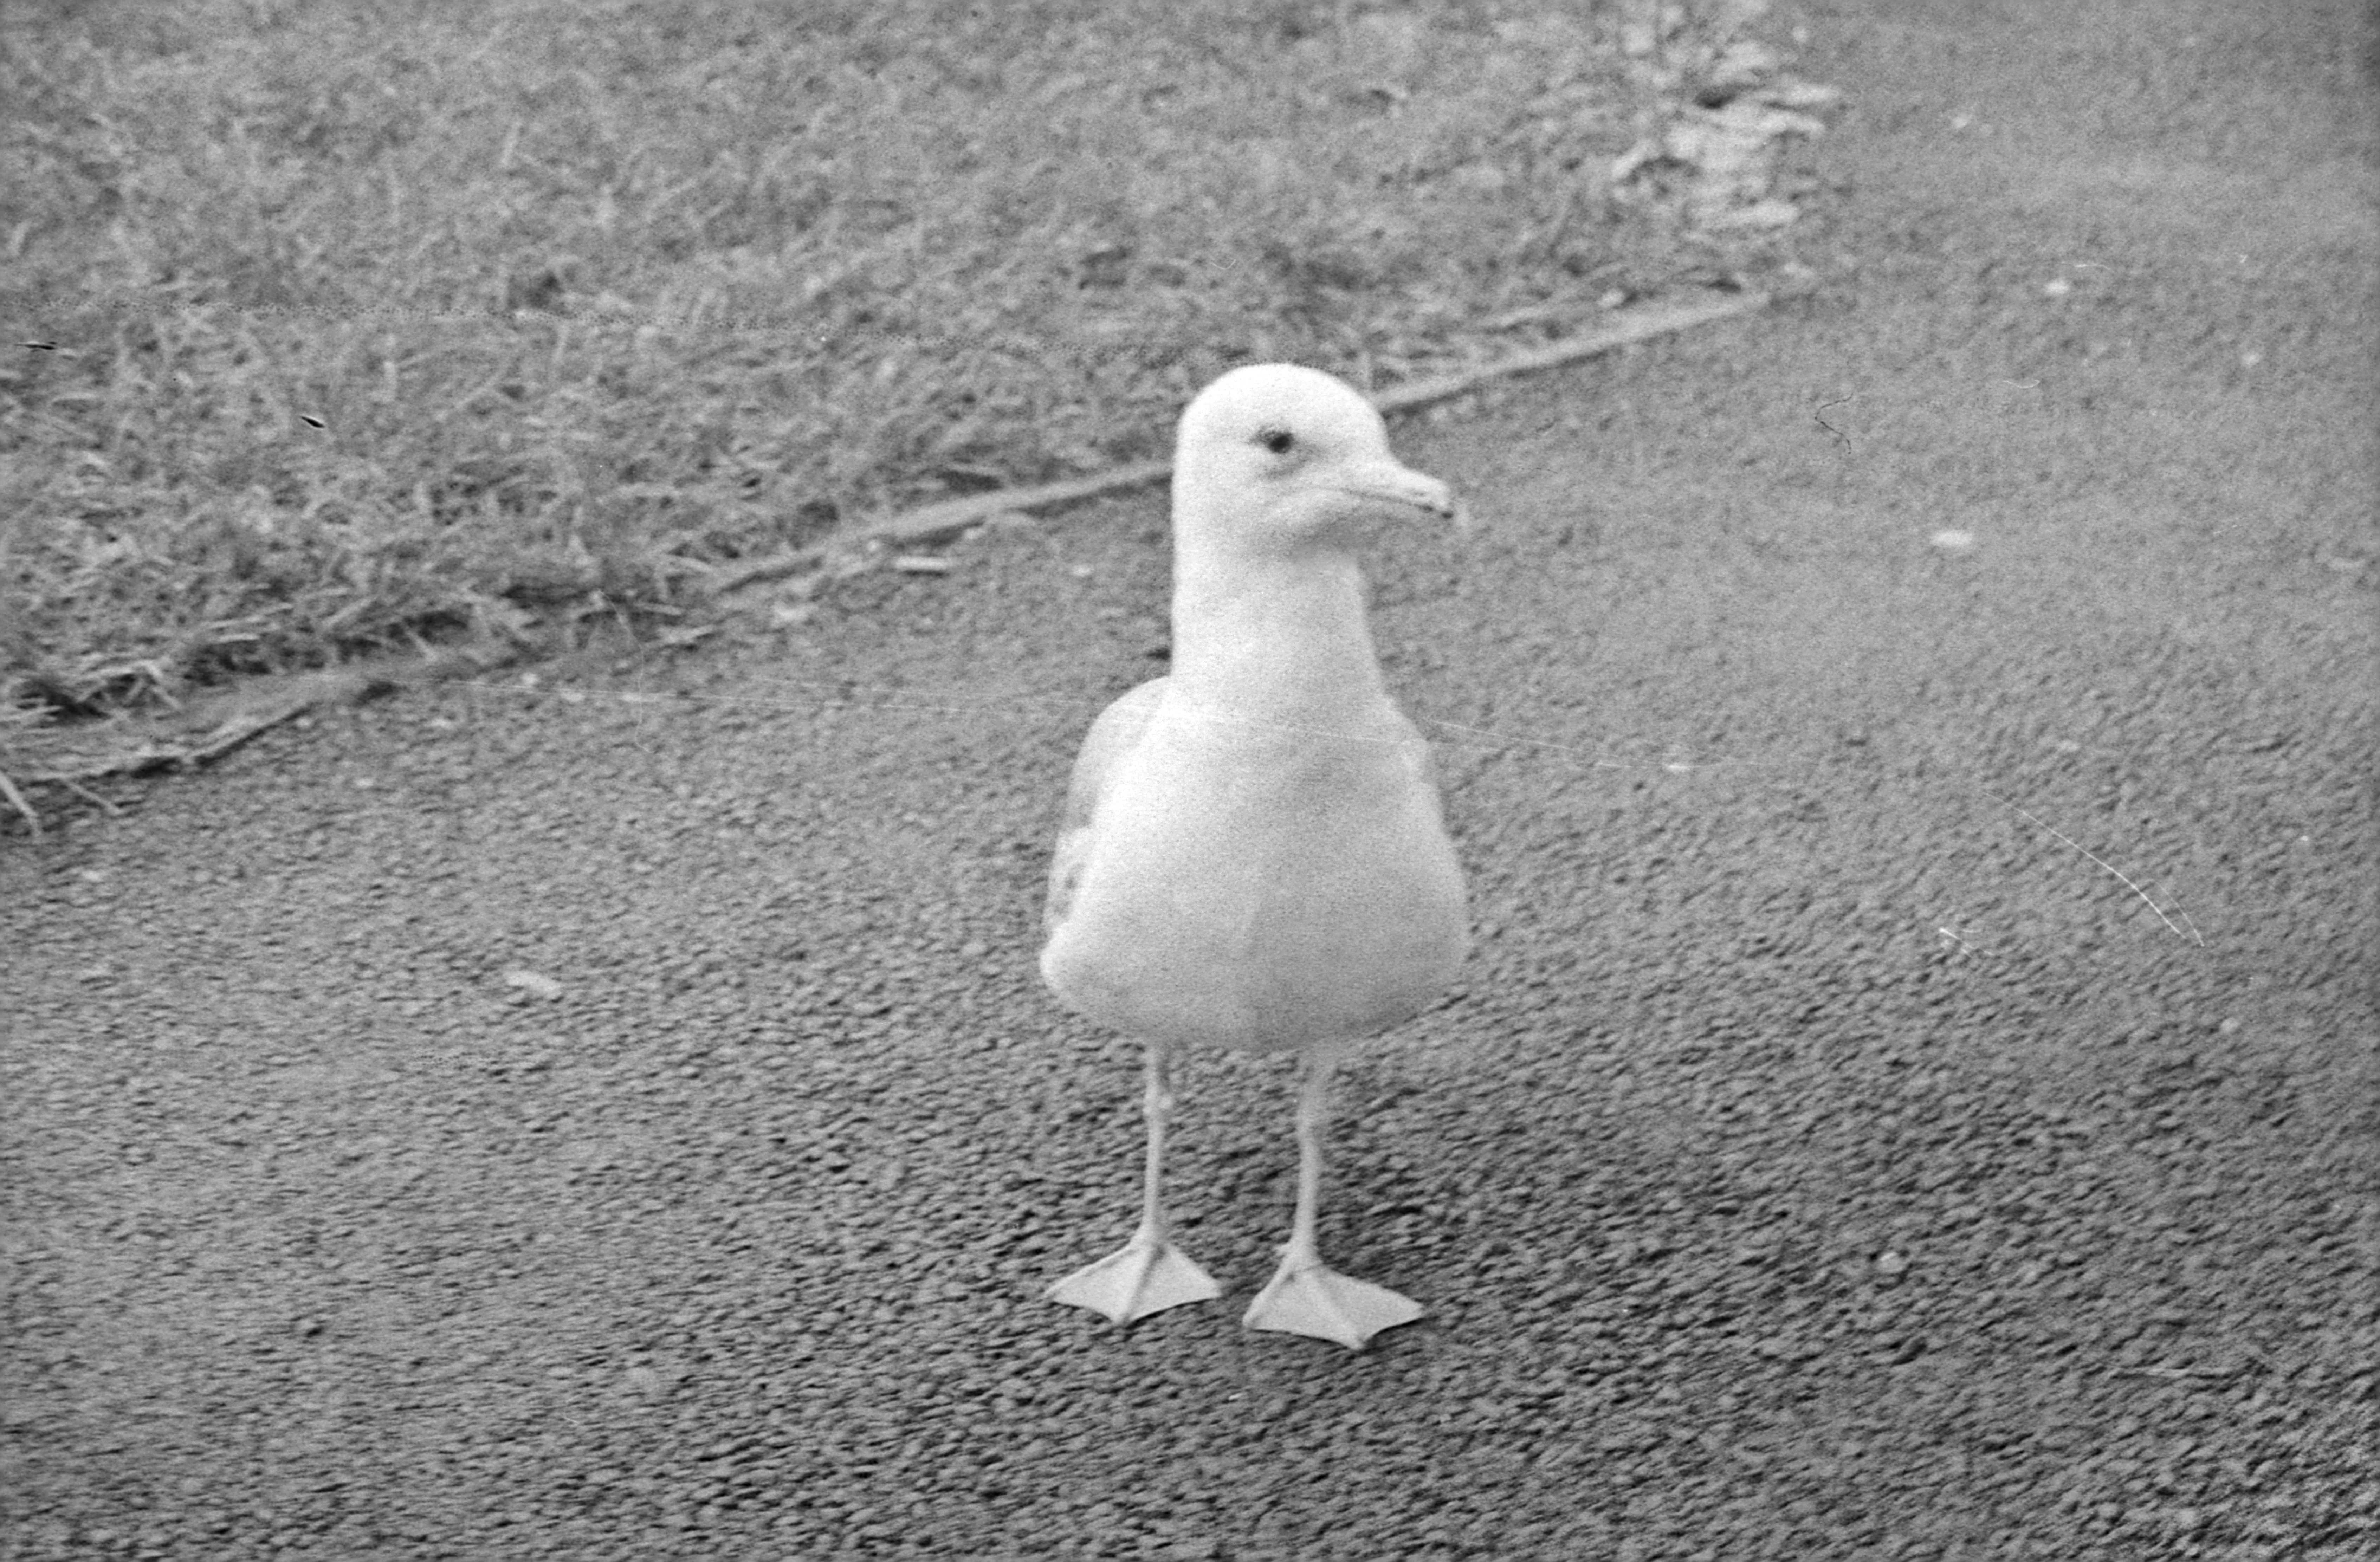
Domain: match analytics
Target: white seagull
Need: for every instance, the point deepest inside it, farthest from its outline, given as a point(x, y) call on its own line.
point(1252, 855)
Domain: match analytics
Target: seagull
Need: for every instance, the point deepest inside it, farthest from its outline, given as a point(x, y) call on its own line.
point(1252, 855)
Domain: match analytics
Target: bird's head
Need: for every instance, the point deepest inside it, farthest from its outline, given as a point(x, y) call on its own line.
point(1275, 458)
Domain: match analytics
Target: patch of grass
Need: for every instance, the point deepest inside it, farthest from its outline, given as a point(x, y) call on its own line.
point(365, 324)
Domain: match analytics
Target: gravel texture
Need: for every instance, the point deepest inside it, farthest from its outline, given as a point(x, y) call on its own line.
point(491, 1124)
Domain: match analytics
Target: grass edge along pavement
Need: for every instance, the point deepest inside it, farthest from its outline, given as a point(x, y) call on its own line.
point(261, 423)
point(206, 730)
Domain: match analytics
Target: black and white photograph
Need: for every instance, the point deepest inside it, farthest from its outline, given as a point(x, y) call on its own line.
point(1300, 780)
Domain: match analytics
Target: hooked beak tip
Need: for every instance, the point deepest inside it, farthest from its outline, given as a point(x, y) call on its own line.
point(1412, 491)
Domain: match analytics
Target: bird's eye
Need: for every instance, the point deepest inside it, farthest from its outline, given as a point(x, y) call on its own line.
point(1278, 440)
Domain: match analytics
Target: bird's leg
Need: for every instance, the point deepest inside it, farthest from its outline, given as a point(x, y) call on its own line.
point(1157, 1111)
point(1149, 1273)
point(1307, 1296)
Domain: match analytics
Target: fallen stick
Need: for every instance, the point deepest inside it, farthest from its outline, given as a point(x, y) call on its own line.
point(71, 758)
point(66, 757)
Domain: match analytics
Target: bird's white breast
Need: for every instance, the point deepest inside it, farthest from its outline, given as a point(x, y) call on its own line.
point(1263, 885)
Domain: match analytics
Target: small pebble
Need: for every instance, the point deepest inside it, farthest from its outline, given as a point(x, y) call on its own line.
point(533, 984)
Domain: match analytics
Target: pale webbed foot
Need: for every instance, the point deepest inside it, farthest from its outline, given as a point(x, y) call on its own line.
point(1146, 1275)
point(1307, 1296)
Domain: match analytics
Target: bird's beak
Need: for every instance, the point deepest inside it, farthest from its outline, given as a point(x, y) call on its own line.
point(1385, 482)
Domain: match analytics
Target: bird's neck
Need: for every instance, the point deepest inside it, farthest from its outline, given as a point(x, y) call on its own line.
point(1289, 640)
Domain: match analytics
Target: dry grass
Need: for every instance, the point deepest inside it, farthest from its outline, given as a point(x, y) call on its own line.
point(374, 323)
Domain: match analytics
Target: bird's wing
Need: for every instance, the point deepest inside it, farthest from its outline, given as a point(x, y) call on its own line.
point(1110, 738)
